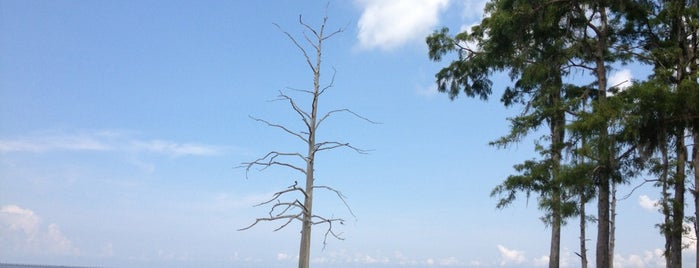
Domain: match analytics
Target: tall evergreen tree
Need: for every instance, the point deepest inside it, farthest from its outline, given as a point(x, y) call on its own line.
point(670, 102)
point(526, 39)
point(521, 37)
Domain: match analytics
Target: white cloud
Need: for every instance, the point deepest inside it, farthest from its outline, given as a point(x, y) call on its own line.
point(283, 256)
point(632, 260)
point(689, 240)
point(450, 261)
point(621, 79)
point(655, 257)
point(542, 261)
point(21, 231)
point(18, 219)
point(444, 262)
point(510, 256)
point(104, 141)
point(646, 203)
point(402, 259)
point(388, 24)
point(649, 258)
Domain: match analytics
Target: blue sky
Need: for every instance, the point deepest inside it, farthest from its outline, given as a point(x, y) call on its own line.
point(122, 122)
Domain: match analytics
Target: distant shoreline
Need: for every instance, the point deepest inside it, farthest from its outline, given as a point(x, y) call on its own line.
point(16, 265)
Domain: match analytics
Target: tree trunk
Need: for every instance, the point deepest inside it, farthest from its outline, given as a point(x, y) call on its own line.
point(305, 247)
point(583, 237)
point(555, 253)
point(695, 163)
point(557, 137)
point(665, 205)
point(677, 227)
point(612, 226)
point(602, 250)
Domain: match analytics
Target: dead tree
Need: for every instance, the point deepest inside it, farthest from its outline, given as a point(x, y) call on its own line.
point(296, 201)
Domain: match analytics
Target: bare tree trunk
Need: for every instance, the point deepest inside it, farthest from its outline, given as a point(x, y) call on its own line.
point(612, 226)
point(554, 254)
point(665, 205)
point(677, 227)
point(695, 162)
point(305, 247)
point(583, 237)
point(603, 224)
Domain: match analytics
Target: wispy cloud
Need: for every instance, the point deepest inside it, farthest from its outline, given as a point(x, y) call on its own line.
point(54, 143)
point(104, 141)
point(21, 231)
point(387, 24)
point(427, 91)
point(173, 148)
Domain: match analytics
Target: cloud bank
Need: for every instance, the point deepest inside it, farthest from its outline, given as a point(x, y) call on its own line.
point(22, 231)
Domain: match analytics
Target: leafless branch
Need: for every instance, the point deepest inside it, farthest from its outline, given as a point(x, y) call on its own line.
point(332, 82)
point(289, 218)
point(305, 54)
point(276, 195)
point(320, 36)
point(635, 188)
point(329, 231)
point(329, 145)
point(270, 159)
point(339, 195)
point(304, 115)
point(328, 114)
point(300, 90)
point(285, 207)
point(280, 127)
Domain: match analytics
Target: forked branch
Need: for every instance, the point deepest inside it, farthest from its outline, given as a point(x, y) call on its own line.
point(285, 208)
point(304, 115)
point(329, 231)
point(289, 219)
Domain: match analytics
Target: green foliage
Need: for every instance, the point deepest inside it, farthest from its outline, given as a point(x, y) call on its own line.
point(535, 177)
